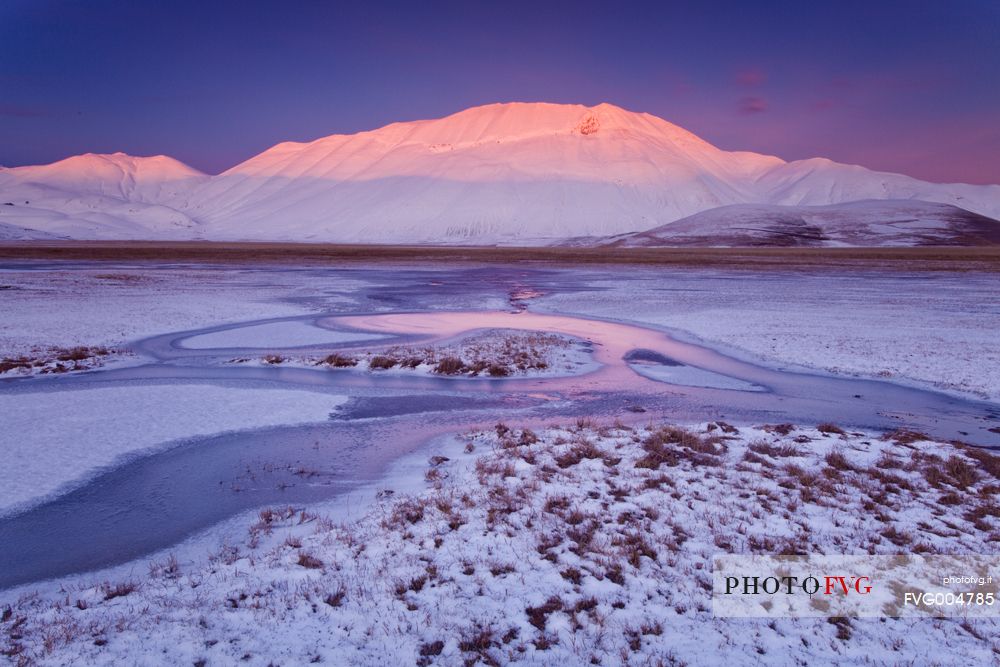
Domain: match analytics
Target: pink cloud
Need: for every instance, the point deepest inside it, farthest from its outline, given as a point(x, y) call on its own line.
point(823, 105)
point(752, 105)
point(675, 81)
point(751, 77)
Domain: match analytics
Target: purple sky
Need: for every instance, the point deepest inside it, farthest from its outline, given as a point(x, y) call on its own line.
point(910, 87)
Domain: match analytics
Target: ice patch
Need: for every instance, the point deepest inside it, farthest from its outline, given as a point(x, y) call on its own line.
point(274, 334)
point(52, 439)
point(657, 367)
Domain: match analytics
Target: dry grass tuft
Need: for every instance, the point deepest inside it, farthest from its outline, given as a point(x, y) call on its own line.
point(902, 436)
point(539, 616)
point(337, 360)
point(830, 429)
point(838, 461)
point(309, 561)
point(382, 362)
point(990, 463)
point(960, 472)
point(119, 590)
point(450, 366)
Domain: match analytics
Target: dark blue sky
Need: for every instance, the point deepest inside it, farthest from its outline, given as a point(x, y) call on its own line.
point(912, 87)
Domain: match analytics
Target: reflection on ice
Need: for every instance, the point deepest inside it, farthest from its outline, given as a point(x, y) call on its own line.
point(612, 342)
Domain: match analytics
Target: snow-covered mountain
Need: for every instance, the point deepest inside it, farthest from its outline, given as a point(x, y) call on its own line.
point(101, 197)
point(891, 222)
point(502, 173)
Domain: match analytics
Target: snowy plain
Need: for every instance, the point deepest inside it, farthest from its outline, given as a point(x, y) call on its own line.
point(862, 324)
point(382, 589)
point(581, 544)
point(922, 329)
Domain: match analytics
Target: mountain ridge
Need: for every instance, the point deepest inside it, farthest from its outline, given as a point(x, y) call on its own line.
point(501, 173)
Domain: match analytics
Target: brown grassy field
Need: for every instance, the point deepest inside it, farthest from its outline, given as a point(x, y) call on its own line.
point(926, 258)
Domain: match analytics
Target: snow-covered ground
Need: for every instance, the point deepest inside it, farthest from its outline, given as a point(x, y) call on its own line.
point(582, 544)
point(576, 545)
point(54, 440)
point(924, 329)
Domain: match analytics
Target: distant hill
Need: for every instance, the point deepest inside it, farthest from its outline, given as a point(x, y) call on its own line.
point(863, 223)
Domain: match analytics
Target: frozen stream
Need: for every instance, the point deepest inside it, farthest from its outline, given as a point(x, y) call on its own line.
point(156, 500)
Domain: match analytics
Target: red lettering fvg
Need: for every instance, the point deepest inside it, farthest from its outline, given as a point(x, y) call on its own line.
point(844, 585)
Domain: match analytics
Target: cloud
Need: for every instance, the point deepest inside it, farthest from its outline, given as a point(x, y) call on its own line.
point(751, 77)
point(752, 105)
point(13, 111)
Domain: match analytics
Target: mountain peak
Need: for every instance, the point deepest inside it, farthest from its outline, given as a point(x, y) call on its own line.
point(516, 120)
point(106, 165)
point(496, 124)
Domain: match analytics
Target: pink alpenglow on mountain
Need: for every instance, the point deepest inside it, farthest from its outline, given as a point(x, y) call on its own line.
point(517, 173)
point(99, 197)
